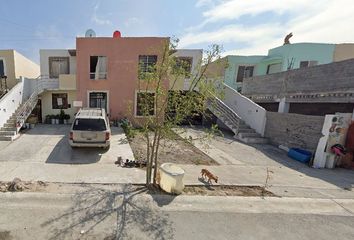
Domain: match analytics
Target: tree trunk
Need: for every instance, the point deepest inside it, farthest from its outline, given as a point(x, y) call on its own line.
point(155, 157)
point(148, 162)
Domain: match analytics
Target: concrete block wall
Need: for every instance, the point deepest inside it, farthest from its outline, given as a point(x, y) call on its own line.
point(294, 130)
point(337, 76)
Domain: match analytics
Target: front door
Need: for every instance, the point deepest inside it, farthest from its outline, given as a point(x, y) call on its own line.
point(98, 100)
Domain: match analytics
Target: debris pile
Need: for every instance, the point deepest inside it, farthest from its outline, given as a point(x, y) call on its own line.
point(130, 163)
point(17, 185)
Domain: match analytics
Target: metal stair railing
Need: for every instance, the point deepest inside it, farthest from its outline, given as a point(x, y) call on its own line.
point(25, 110)
point(221, 110)
point(43, 83)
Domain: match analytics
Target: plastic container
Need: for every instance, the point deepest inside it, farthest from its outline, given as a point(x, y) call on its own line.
point(171, 178)
point(300, 155)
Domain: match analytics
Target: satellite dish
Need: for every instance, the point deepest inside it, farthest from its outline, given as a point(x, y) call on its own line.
point(90, 33)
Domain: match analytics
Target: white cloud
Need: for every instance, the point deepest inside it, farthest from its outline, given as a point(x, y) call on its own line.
point(231, 33)
point(315, 21)
point(99, 20)
point(233, 9)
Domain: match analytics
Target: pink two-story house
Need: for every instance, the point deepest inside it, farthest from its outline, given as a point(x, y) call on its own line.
point(108, 72)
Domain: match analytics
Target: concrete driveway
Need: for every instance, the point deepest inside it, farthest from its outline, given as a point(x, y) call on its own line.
point(43, 153)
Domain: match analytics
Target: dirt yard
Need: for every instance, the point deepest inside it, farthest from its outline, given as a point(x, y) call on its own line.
point(227, 190)
point(177, 151)
point(205, 190)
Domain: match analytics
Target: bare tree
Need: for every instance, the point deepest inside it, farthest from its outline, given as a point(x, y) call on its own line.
point(163, 108)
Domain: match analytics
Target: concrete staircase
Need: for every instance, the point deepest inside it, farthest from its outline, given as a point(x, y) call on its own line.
point(248, 135)
point(9, 131)
point(242, 131)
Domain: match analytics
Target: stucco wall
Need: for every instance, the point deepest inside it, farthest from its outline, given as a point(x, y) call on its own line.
point(44, 55)
point(122, 70)
point(67, 81)
point(196, 55)
point(343, 52)
point(47, 109)
point(9, 65)
point(321, 52)
point(10, 102)
point(234, 62)
point(294, 130)
point(25, 67)
point(250, 112)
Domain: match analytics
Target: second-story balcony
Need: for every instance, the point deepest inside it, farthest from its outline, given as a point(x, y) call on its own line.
point(64, 82)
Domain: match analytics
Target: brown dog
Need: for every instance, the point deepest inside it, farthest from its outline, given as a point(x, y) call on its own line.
point(209, 175)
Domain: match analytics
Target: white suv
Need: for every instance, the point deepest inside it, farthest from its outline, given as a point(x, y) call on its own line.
point(90, 129)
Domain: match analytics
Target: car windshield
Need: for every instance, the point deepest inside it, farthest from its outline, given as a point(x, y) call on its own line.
point(82, 124)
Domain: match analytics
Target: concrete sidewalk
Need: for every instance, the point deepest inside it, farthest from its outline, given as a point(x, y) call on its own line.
point(242, 164)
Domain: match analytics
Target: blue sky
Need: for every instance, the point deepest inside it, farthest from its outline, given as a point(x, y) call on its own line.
point(242, 27)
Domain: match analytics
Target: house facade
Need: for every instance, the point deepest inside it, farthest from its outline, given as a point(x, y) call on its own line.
point(319, 90)
point(104, 72)
point(57, 82)
point(191, 60)
point(283, 58)
point(13, 65)
point(108, 73)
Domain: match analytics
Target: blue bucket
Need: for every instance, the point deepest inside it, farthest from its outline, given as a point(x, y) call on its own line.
point(300, 155)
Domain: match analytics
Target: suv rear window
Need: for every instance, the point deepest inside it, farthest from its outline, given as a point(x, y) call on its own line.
point(82, 124)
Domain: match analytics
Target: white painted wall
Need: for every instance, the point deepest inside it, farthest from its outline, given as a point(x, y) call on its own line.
point(10, 102)
point(250, 112)
point(196, 55)
point(44, 55)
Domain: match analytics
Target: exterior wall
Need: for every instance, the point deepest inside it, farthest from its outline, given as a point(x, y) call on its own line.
point(67, 81)
point(343, 52)
point(47, 109)
point(322, 81)
point(44, 60)
point(323, 53)
point(9, 64)
point(296, 52)
point(294, 130)
point(122, 70)
point(196, 55)
point(10, 102)
point(25, 67)
point(234, 62)
point(251, 113)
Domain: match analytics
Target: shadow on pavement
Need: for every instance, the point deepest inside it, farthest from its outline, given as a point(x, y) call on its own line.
point(115, 214)
point(62, 153)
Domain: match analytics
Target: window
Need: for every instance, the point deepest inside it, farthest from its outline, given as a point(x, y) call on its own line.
point(145, 104)
point(244, 72)
point(308, 63)
point(147, 63)
point(98, 67)
point(84, 124)
point(2, 68)
point(59, 101)
point(57, 66)
point(273, 68)
point(184, 63)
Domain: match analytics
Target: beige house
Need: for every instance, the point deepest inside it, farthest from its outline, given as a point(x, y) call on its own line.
point(57, 82)
point(13, 65)
point(343, 51)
